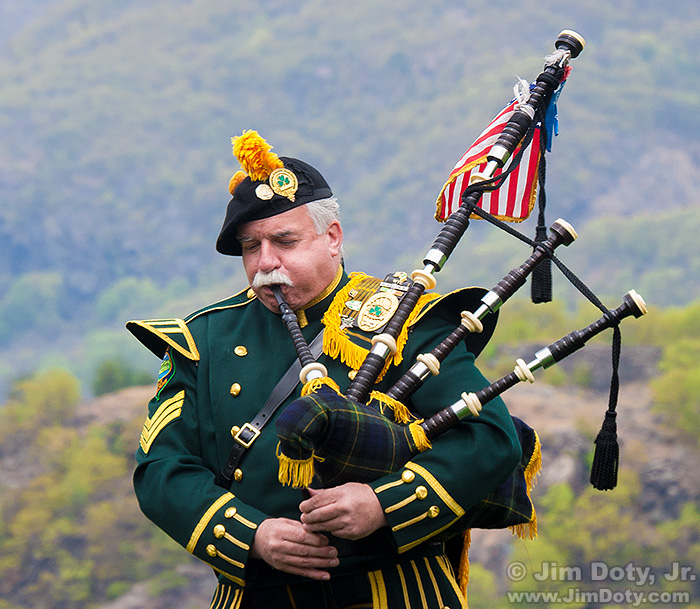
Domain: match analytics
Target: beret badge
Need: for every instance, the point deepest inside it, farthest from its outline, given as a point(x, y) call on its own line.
point(264, 192)
point(284, 183)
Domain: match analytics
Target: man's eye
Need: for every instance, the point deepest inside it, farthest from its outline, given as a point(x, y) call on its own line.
point(250, 247)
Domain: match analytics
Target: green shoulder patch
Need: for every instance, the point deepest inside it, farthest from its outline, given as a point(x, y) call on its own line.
point(167, 369)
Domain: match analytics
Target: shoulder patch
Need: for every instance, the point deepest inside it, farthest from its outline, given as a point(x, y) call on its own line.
point(159, 334)
point(167, 369)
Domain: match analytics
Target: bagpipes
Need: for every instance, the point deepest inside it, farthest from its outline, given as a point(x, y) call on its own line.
point(312, 430)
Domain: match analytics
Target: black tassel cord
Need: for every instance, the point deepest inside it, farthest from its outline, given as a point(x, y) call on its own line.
point(606, 457)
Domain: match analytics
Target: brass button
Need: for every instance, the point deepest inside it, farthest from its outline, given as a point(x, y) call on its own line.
point(352, 374)
point(408, 476)
point(211, 550)
point(234, 430)
point(433, 511)
point(250, 293)
point(421, 492)
point(240, 351)
point(219, 531)
point(235, 389)
point(238, 475)
point(230, 512)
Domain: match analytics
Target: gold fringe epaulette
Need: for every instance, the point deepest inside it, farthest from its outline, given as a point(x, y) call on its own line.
point(350, 345)
point(528, 530)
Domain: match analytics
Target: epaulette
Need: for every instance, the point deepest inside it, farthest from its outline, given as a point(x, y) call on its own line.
point(450, 307)
point(159, 334)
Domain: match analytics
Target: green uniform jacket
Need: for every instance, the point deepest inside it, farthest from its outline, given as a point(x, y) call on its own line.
point(219, 368)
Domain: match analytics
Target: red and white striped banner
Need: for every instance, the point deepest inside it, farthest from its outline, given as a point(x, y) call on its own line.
point(515, 199)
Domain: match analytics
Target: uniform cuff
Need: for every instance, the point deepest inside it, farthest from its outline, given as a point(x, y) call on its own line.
point(416, 506)
point(224, 535)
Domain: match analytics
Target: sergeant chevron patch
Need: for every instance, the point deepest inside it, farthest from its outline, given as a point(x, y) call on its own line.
point(168, 411)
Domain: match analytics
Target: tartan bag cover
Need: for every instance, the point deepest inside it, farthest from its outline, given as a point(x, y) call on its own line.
point(342, 441)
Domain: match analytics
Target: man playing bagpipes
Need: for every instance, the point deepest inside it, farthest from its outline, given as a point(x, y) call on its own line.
point(207, 465)
point(371, 474)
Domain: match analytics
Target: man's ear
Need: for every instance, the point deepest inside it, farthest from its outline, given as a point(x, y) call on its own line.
point(335, 237)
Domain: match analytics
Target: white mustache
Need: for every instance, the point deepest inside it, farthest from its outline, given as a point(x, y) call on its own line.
point(262, 279)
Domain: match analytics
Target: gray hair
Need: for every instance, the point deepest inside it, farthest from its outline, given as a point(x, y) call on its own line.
point(323, 213)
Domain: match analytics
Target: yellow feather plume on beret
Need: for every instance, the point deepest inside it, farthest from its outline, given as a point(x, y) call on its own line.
point(236, 179)
point(253, 153)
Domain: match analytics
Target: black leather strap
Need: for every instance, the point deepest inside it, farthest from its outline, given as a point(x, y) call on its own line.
point(247, 434)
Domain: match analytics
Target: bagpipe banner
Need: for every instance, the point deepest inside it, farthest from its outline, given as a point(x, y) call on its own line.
point(515, 198)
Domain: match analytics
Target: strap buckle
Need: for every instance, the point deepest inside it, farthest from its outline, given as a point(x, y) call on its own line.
point(246, 435)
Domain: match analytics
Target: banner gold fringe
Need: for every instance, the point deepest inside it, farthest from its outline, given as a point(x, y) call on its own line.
point(418, 434)
point(315, 384)
point(523, 531)
point(401, 413)
point(298, 473)
point(463, 577)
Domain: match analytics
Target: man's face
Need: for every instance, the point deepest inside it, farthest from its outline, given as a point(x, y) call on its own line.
point(288, 243)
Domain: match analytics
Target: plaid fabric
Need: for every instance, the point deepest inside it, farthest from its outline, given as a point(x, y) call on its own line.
point(351, 441)
point(355, 442)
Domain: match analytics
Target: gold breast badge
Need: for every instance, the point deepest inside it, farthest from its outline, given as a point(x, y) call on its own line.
point(377, 311)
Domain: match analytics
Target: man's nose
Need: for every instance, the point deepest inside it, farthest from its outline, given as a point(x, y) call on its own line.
point(268, 260)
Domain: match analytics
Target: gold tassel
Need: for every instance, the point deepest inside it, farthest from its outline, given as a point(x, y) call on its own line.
point(315, 384)
point(528, 530)
point(298, 473)
point(419, 438)
point(401, 413)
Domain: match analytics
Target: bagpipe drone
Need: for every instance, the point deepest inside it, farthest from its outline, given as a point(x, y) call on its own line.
point(313, 428)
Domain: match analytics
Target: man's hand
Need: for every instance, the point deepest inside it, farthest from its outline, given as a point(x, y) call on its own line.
point(289, 546)
point(349, 511)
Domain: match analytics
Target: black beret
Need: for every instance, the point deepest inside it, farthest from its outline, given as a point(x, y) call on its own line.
point(255, 200)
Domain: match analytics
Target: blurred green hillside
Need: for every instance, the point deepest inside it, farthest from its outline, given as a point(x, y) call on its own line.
point(71, 534)
point(116, 118)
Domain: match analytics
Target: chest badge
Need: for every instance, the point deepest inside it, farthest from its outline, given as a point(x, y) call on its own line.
point(377, 310)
